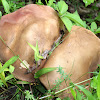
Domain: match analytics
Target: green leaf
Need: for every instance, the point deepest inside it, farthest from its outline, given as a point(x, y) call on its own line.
point(79, 96)
point(22, 82)
point(2, 75)
point(97, 31)
point(9, 62)
point(88, 2)
point(93, 26)
point(98, 86)
point(67, 23)
point(36, 51)
point(6, 6)
point(0, 14)
point(39, 2)
point(40, 57)
point(84, 22)
point(29, 95)
point(94, 82)
point(6, 69)
point(50, 2)
point(11, 68)
point(63, 7)
point(1, 83)
point(98, 17)
point(37, 48)
point(89, 20)
point(37, 55)
point(73, 93)
point(76, 13)
point(43, 71)
point(58, 99)
point(9, 77)
point(75, 18)
point(98, 65)
point(86, 92)
point(32, 46)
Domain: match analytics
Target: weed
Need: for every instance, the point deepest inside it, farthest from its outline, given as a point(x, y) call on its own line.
point(68, 19)
point(28, 95)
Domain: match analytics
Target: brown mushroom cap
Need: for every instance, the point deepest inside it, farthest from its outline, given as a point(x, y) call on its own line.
point(28, 24)
point(77, 55)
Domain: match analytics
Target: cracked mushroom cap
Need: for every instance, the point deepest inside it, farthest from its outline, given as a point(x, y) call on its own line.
point(78, 54)
point(30, 24)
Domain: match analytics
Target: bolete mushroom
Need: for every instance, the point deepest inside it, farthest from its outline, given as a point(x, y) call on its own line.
point(30, 24)
point(78, 54)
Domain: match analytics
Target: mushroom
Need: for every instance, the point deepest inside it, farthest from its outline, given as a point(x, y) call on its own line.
point(78, 54)
point(30, 24)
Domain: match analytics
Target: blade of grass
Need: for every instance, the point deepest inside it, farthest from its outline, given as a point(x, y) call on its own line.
point(98, 86)
point(9, 62)
point(73, 93)
point(6, 6)
point(50, 2)
point(79, 97)
point(43, 71)
point(86, 92)
point(62, 7)
point(75, 18)
point(2, 76)
point(67, 23)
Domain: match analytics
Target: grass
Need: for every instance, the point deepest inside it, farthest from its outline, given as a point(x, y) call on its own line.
point(14, 89)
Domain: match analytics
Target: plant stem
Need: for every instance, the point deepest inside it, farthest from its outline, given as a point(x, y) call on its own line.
point(65, 88)
point(13, 52)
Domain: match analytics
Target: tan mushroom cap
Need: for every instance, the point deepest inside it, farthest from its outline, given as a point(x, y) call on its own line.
point(77, 55)
point(28, 24)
